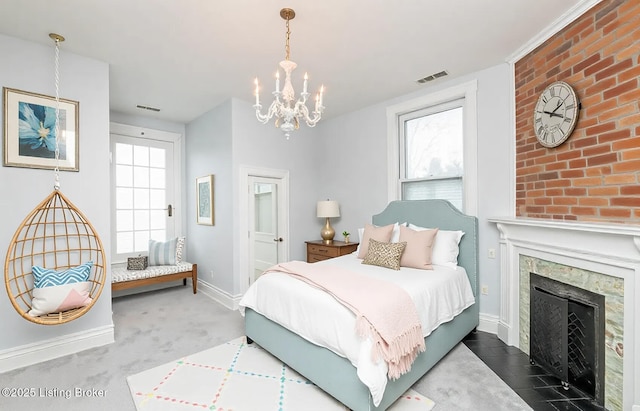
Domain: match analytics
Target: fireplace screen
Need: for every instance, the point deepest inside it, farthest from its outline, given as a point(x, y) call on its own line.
point(567, 334)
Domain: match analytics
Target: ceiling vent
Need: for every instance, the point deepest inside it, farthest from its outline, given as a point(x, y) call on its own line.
point(432, 77)
point(148, 108)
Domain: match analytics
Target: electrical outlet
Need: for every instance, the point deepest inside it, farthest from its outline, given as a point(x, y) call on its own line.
point(485, 290)
point(492, 253)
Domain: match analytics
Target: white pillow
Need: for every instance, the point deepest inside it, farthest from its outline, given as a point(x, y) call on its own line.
point(395, 235)
point(60, 298)
point(445, 250)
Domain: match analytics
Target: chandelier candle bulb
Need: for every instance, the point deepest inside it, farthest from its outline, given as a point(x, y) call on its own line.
point(277, 81)
point(257, 92)
point(304, 87)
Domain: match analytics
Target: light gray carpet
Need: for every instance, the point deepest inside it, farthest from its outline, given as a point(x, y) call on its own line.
point(461, 381)
point(157, 327)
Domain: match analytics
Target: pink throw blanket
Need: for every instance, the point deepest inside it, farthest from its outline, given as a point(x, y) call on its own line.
point(384, 312)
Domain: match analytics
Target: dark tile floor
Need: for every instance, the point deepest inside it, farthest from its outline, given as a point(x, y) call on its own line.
point(540, 390)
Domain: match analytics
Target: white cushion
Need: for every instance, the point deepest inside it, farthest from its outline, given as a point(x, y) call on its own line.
point(60, 298)
point(122, 274)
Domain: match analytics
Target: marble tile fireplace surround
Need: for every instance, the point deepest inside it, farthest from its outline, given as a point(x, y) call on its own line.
point(602, 258)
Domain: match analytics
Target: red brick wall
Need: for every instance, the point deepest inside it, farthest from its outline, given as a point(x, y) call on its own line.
point(595, 174)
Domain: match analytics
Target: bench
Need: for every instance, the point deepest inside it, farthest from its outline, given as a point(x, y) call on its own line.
point(122, 279)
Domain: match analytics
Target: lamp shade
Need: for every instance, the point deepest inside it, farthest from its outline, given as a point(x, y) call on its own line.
point(328, 208)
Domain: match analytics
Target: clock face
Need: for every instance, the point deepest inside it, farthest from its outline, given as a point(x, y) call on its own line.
point(556, 114)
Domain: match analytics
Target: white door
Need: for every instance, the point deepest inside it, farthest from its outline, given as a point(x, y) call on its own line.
point(143, 194)
point(266, 233)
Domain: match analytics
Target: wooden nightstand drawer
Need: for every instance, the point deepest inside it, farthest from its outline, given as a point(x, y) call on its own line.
point(323, 250)
point(319, 251)
point(314, 258)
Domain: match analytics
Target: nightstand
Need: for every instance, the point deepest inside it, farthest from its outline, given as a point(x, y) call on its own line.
point(318, 250)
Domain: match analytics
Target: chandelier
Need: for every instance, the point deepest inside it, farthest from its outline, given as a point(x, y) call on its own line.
point(287, 110)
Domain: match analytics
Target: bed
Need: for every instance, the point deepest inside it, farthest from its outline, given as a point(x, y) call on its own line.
point(336, 374)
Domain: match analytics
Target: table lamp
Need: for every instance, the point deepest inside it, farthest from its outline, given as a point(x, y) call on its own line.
point(327, 209)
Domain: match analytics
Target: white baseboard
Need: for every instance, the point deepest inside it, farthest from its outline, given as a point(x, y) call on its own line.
point(488, 323)
point(503, 332)
point(218, 295)
point(35, 353)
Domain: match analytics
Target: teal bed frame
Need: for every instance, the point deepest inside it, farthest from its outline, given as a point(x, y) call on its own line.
point(336, 375)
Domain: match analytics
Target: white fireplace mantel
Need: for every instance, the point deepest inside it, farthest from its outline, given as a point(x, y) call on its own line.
point(610, 249)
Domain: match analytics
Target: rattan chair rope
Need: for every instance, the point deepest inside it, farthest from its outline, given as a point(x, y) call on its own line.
point(55, 235)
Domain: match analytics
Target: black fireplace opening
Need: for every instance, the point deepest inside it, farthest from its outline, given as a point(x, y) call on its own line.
point(567, 334)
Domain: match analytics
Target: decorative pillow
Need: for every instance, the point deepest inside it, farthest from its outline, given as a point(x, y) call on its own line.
point(417, 253)
point(382, 234)
point(45, 277)
point(384, 254)
point(60, 298)
point(395, 236)
point(445, 249)
point(163, 252)
point(179, 249)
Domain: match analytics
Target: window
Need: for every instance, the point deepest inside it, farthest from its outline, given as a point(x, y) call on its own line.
point(432, 164)
point(432, 148)
point(142, 184)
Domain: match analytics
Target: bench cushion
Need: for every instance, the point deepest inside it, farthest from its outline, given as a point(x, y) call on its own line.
point(122, 274)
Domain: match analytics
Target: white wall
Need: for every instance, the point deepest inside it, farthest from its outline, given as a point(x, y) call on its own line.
point(354, 169)
point(221, 141)
point(29, 66)
point(209, 151)
point(264, 146)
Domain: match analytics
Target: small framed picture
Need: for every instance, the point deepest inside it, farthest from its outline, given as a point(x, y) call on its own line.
point(204, 194)
point(30, 131)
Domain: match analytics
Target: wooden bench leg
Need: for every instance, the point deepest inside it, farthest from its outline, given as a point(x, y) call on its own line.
point(194, 278)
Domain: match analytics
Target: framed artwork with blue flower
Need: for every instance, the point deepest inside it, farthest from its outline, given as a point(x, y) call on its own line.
point(30, 131)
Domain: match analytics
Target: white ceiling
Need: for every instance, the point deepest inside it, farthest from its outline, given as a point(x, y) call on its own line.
point(187, 56)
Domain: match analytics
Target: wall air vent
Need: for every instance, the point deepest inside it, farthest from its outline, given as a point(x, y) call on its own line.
point(148, 108)
point(432, 77)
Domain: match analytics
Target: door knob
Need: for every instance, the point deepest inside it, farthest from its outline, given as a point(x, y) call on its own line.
point(278, 239)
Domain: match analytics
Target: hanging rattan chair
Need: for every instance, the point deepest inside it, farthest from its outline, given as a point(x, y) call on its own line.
point(54, 236)
point(57, 236)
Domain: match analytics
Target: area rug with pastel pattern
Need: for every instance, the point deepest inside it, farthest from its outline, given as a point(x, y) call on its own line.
point(236, 376)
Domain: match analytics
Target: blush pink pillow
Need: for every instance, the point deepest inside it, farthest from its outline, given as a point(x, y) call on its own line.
point(417, 253)
point(381, 234)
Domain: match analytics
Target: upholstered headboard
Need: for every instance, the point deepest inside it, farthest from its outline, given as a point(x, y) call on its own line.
point(443, 215)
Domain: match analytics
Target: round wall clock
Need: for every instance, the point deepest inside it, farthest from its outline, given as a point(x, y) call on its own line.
point(556, 114)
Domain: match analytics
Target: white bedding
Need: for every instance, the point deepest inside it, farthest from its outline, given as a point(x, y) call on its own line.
point(439, 295)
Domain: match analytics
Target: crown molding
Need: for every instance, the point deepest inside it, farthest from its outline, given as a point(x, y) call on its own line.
point(563, 21)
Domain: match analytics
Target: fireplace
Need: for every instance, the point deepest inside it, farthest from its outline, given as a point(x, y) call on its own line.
point(601, 258)
point(567, 334)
